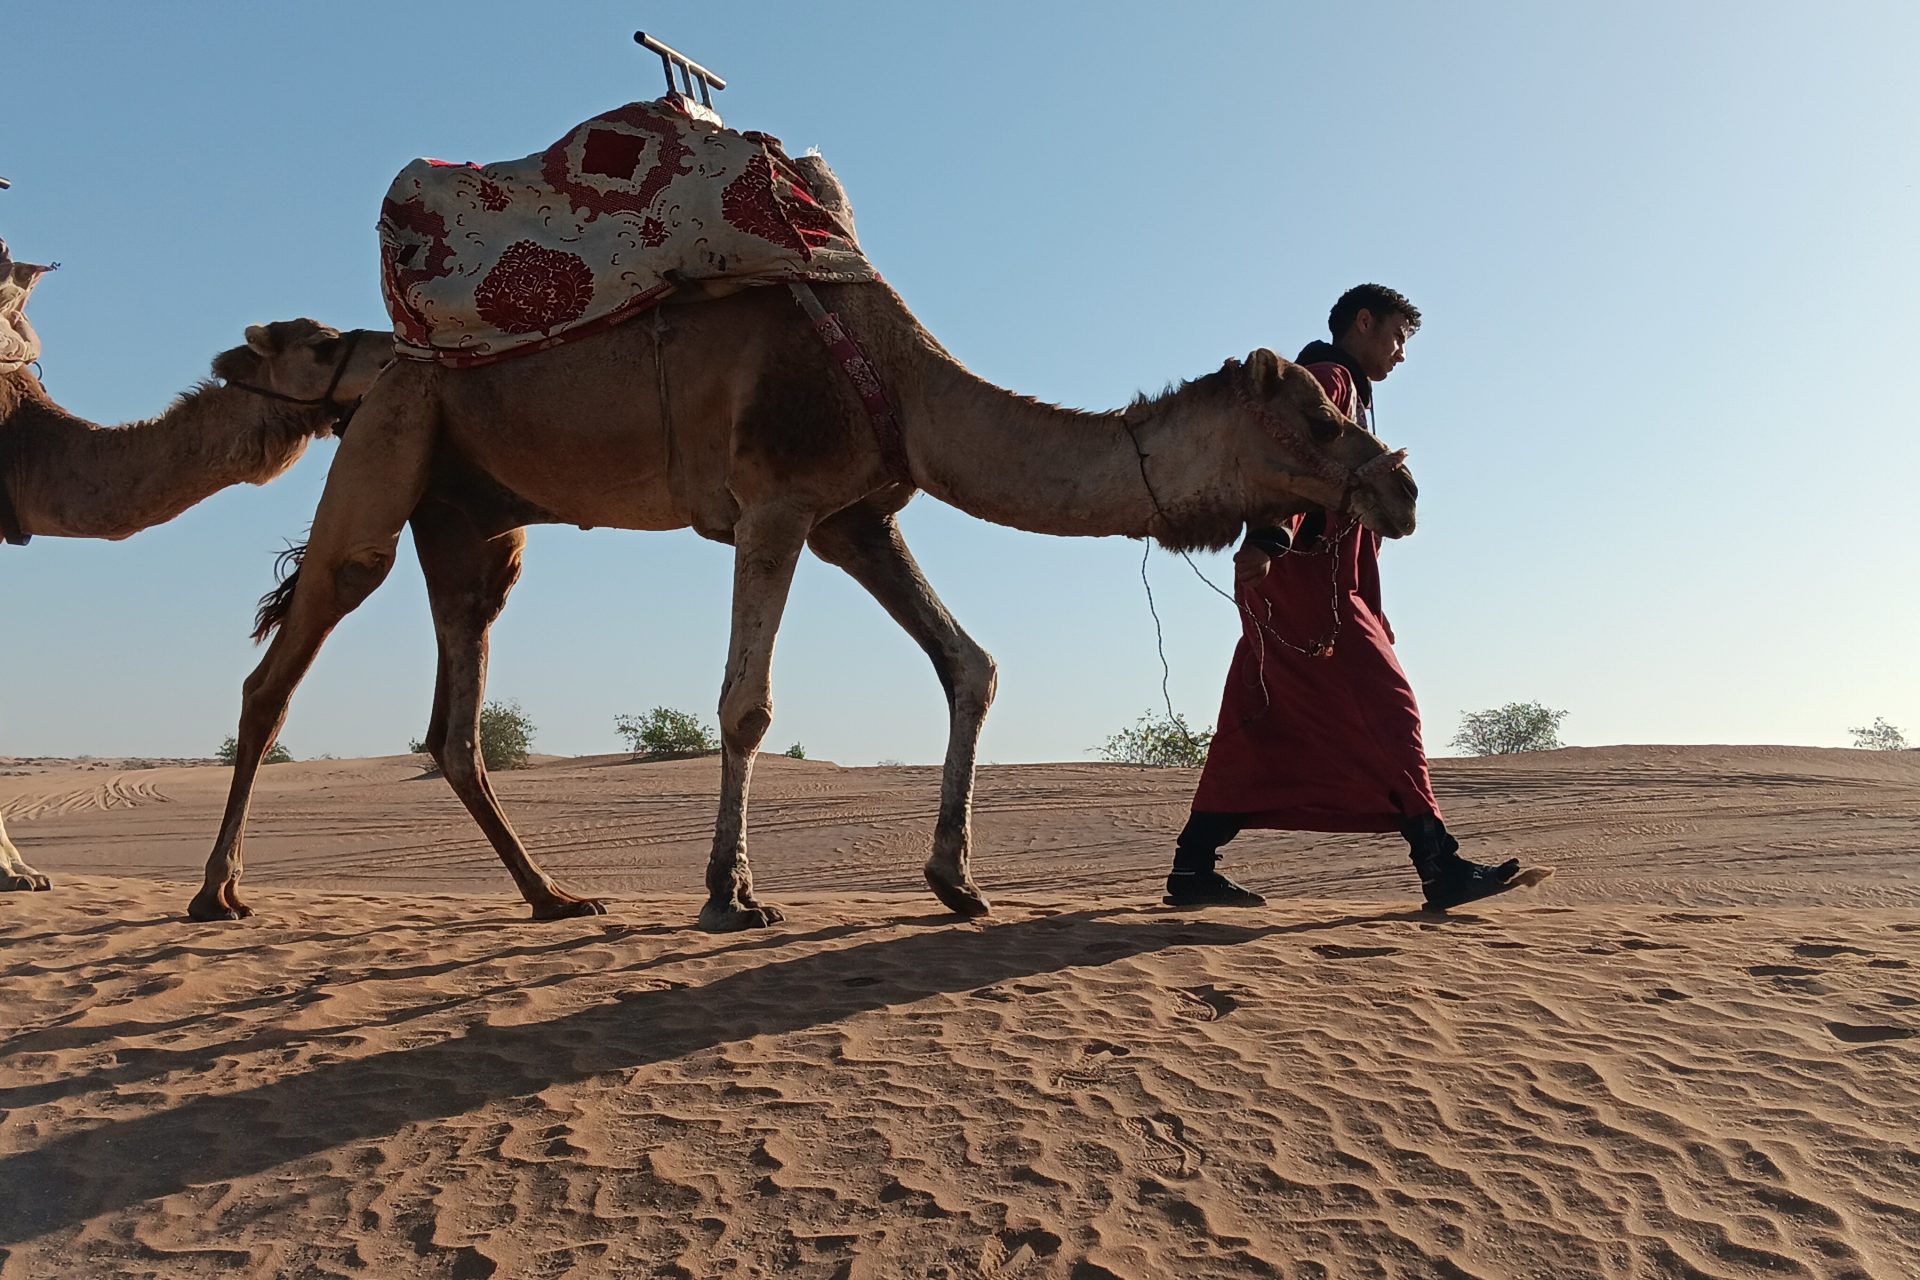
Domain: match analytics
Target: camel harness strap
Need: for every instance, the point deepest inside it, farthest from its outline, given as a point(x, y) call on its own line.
point(859, 371)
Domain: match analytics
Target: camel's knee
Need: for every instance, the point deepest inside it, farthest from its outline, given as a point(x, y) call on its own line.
point(744, 720)
point(355, 578)
point(971, 678)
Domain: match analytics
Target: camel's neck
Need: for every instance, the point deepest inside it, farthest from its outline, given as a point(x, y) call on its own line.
point(71, 479)
point(1013, 461)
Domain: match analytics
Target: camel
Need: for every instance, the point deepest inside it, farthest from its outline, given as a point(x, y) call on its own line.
point(64, 477)
point(728, 416)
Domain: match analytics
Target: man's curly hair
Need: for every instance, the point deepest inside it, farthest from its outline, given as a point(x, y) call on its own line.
point(1376, 298)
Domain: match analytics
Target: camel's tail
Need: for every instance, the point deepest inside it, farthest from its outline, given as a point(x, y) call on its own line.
point(275, 605)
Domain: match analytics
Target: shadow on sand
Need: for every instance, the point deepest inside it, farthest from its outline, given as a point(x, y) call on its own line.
point(330, 1104)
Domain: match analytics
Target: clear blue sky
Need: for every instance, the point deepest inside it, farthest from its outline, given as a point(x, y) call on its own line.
point(1661, 410)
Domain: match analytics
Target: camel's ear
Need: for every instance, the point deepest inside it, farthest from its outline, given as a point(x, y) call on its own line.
point(260, 340)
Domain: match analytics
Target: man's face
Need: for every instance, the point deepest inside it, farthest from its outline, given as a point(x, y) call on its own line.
point(1378, 343)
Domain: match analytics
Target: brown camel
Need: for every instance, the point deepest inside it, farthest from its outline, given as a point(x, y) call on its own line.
point(728, 416)
point(64, 477)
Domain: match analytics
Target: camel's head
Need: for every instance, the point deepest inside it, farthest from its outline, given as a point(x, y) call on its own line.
point(1309, 454)
point(306, 362)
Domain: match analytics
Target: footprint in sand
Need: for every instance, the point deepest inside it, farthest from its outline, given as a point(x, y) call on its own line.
point(1169, 1154)
point(1092, 1067)
point(1691, 917)
point(1006, 1259)
point(1782, 971)
point(1208, 1003)
point(1868, 1033)
point(1334, 951)
point(1888, 964)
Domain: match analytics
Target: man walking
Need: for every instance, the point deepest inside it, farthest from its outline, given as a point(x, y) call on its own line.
point(1319, 730)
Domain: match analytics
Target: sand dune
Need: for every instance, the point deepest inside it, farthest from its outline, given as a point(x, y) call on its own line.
point(1694, 1052)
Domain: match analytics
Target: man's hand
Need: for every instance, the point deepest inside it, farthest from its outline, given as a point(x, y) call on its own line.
point(1250, 564)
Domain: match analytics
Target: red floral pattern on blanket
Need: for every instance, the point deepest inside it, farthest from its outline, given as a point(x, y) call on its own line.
point(533, 290)
point(483, 262)
point(413, 250)
point(597, 166)
point(753, 203)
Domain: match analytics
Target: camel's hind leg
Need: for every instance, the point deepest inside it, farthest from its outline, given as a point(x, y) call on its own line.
point(468, 578)
point(767, 543)
point(15, 874)
point(376, 480)
point(867, 544)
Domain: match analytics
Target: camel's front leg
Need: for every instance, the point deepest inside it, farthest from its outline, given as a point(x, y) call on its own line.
point(15, 875)
point(867, 544)
point(766, 547)
point(468, 578)
point(375, 482)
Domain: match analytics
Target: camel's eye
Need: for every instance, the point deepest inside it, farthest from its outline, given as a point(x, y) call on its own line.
point(1324, 429)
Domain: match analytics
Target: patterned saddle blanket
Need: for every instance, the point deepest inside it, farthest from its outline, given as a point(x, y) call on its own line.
point(483, 261)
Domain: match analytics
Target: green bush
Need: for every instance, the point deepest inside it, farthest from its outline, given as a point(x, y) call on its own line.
point(664, 732)
point(1879, 736)
point(506, 735)
point(1518, 726)
point(795, 752)
point(1159, 740)
point(276, 754)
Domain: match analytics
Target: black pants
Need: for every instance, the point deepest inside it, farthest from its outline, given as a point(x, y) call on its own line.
point(1198, 846)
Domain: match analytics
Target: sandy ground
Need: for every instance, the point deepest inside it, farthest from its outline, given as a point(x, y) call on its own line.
point(1694, 1052)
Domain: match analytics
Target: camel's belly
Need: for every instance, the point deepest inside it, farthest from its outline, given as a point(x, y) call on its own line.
point(586, 463)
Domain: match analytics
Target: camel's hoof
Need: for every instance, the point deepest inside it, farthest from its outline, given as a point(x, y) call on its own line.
point(731, 917)
point(963, 899)
point(208, 906)
point(570, 909)
point(27, 883)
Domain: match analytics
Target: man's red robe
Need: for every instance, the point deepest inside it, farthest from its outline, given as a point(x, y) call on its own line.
point(1318, 743)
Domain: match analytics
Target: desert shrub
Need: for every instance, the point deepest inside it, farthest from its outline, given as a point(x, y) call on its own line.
point(1879, 736)
point(1518, 726)
point(665, 731)
point(795, 752)
point(1158, 739)
point(506, 735)
point(276, 754)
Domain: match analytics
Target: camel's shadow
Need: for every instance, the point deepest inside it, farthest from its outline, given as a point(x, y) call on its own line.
point(335, 1103)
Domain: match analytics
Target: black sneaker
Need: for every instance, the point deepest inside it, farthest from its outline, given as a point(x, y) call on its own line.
point(1456, 881)
point(1208, 889)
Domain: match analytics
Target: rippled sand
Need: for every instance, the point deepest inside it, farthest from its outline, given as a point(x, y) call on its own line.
point(1694, 1052)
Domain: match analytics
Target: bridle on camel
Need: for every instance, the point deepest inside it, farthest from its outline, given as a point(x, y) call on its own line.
point(1327, 542)
point(343, 413)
